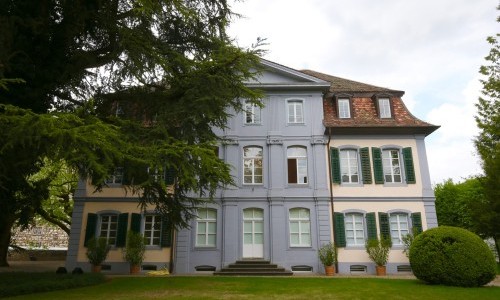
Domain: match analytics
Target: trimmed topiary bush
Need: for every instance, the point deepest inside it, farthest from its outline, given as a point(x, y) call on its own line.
point(452, 256)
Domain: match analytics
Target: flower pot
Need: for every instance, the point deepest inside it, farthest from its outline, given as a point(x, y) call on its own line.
point(96, 269)
point(135, 269)
point(330, 270)
point(381, 270)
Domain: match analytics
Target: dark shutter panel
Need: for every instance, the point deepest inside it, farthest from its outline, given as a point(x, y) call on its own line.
point(383, 220)
point(166, 233)
point(371, 226)
point(416, 220)
point(339, 232)
point(409, 168)
point(135, 223)
point(135, 173)
point(378, 171)
point(366, 168)
point(292, 170)
point(170, 176)
point(121, 234)
point(91, 228)
point(335, 164)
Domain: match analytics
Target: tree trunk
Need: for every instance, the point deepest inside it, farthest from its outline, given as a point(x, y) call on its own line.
point(5, 232)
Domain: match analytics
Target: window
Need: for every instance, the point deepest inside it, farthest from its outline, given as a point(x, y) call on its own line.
point(349, 166)
point(295, 111)
point(354, 229)
point(117, 177)
point(152, 230)
point(384, 108)
point(391, 166)
point(252, 165)
point(206, 227)
point(252, 113)
point(399, 227)
point(344, 108)
point(300, 227)
point(109, 228)
point(297, 165)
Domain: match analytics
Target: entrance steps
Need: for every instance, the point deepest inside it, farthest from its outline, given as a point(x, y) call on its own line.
point(253, 267)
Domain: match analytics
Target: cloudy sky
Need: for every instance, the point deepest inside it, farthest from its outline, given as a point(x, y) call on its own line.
point(431, 49)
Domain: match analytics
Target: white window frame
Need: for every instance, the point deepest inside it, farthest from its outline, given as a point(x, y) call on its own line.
point(117, 177)
point(384, 108)
point(390, 167)
point(251, 165)
point(106, 230)
point(252, 113)
point(303, 222)
point(346, 157)
point(357, 233)
point(344, 108)
point(295, 111)
point(397, 221)
point(209, 239)
point(300, 163)
point(152, 236)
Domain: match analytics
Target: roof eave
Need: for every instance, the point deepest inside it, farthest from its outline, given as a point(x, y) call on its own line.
point(381, 130)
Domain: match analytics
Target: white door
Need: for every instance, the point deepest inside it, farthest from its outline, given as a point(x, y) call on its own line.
point(253, 233)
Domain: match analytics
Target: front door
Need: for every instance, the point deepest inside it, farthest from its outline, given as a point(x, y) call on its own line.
point(253, 233)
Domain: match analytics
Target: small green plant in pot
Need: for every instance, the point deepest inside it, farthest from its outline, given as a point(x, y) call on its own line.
point(134, 251)
point(378, 252)
point(328, 257)
point(97, 251)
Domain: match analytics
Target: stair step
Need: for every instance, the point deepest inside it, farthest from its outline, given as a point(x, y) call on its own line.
point(252, 261)
point(253, 267)
point(232, 270)
point(285, 273)
point(249, 266)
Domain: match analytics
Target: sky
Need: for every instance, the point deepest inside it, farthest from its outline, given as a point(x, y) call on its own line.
point(431, 49)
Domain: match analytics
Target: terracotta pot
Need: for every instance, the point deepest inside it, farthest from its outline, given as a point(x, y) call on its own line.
point(135, 269)
point(96, 269)
point(381, 270)
point(330, 270)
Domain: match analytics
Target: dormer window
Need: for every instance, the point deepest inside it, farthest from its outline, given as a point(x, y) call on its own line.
point(384, 108)
point(344, 108)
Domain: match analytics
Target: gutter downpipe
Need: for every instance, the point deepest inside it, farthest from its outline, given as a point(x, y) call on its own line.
point(331, 192)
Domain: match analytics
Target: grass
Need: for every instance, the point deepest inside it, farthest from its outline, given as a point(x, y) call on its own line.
point(213, 287)
point(21, 283)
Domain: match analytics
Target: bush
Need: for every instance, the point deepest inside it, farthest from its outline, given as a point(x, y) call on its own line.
point(378, 251)
point(328, 254)
point(452, 256)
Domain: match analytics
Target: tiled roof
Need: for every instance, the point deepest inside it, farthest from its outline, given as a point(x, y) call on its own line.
point(364, 115)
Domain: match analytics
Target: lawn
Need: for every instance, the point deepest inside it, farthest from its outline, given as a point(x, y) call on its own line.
point(211, 287)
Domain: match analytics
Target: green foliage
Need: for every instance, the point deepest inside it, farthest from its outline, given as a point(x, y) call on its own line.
point(135, 248)
point(408, 241)
point(22, 283)
point(488, 144)
point(328, 254)
point(378, 250)
point(452, 256)
point(97, 250)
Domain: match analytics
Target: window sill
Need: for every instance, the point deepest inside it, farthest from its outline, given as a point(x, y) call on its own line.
point(395, 184)
point(205, 248)
point(153, 247)
point(356, 247)
point(351, 184)
point(252, 124)
point(296, 124)
point(297, 185)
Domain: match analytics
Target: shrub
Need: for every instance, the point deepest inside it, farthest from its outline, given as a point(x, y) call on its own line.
point(451, 256)
point(328, 254)
point(378, 250)
point(97, 250)
point(135, 248)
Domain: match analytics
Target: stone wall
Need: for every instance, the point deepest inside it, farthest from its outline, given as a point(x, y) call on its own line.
point(40, 237)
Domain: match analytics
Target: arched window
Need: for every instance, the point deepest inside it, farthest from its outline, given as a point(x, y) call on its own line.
point(300, 227)
point(354, 229)
point(252, 165)
point(297, 165)
point(399, 225)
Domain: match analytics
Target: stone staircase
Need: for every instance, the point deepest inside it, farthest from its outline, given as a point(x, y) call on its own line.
point(253, 268)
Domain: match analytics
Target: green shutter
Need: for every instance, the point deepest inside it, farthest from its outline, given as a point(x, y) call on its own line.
point(371, 226)
point(135, 223)
point(366, 169)
point(383, 220)
point(339, 230)
point(121, 234)
point(335, 164)
point(170, 176)
point(409, 168)
point(378, 171)
point(416, 220)
point(91, 228)
point(166, 233)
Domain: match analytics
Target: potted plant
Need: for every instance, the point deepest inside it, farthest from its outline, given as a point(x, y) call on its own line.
point(378, 252)
point(134, 251)
point(328, 257)
point(97, 251)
